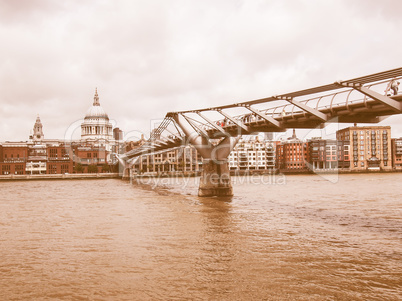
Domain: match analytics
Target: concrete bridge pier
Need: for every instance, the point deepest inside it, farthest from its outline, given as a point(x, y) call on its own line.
point(124, 170)
point(215, 175)
point(125, 175)
point(215, 179)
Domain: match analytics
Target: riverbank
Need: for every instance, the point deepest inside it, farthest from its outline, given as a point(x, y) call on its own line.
point(75, 176)
point(82, 176)
point(263, 172)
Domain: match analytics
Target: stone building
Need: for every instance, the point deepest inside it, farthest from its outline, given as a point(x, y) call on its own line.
point(96, 128)
point(38, 130)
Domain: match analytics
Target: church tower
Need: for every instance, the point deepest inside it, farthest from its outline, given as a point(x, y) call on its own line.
point(38, 130)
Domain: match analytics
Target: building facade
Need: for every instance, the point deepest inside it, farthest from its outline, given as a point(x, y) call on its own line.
point(293, 155)
point(183, 159)
point(327, 155)
point(253, 154)
point(370, 147)
point(396, 145)
point(13, 156)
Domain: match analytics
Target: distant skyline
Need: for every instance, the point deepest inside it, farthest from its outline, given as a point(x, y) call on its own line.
point(150, 57)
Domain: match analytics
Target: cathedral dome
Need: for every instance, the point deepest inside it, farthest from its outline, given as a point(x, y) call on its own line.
point(96, 111)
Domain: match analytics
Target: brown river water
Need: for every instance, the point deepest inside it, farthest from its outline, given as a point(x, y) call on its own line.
point(299, 237)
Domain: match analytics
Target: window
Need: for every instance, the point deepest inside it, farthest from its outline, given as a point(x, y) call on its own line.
point(19, 169)
point(53, 153)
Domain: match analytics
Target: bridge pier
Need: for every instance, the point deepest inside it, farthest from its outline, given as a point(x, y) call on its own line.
point(215, 175)
point(125, 175)
point(215, 179)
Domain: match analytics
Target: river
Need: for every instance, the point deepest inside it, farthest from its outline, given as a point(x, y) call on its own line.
point(299, 237)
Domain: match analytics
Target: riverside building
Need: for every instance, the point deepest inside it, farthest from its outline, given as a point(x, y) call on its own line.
point(183, 159)
point(253, 154)
point(370, 147)
point(292, 155)
point(396, 145)
point(329, 155)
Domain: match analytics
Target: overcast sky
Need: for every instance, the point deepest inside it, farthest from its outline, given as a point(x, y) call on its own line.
point(150, 57)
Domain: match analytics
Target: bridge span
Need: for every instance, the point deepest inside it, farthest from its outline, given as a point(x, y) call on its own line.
point(215, 131)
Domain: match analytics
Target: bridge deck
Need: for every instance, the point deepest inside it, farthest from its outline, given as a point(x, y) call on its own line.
point(358, 100)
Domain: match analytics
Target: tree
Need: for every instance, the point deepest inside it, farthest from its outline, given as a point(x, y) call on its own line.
point(105, 168)
point(78, 168)
point(92, 168)
point(114, 168)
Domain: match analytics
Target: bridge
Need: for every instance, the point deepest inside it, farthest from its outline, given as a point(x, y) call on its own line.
point(215, 131)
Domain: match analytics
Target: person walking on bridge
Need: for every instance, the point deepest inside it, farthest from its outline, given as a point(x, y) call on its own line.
point(393, 85)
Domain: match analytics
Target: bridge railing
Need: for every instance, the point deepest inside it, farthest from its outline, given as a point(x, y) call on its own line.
point(324, 102)
point(328, 102)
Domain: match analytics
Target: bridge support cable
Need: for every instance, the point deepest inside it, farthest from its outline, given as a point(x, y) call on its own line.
point(155, 134)
point(388, 101)
point(181, 133)
point(215, 176)
point(196, 127)
point(268, 118)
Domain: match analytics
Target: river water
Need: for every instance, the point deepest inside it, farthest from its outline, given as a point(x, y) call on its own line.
point(300, 237)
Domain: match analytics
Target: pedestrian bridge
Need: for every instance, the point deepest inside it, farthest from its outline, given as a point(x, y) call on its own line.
point(215, 131)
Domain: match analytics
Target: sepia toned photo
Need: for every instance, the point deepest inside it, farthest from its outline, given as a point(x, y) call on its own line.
point(200, 150)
